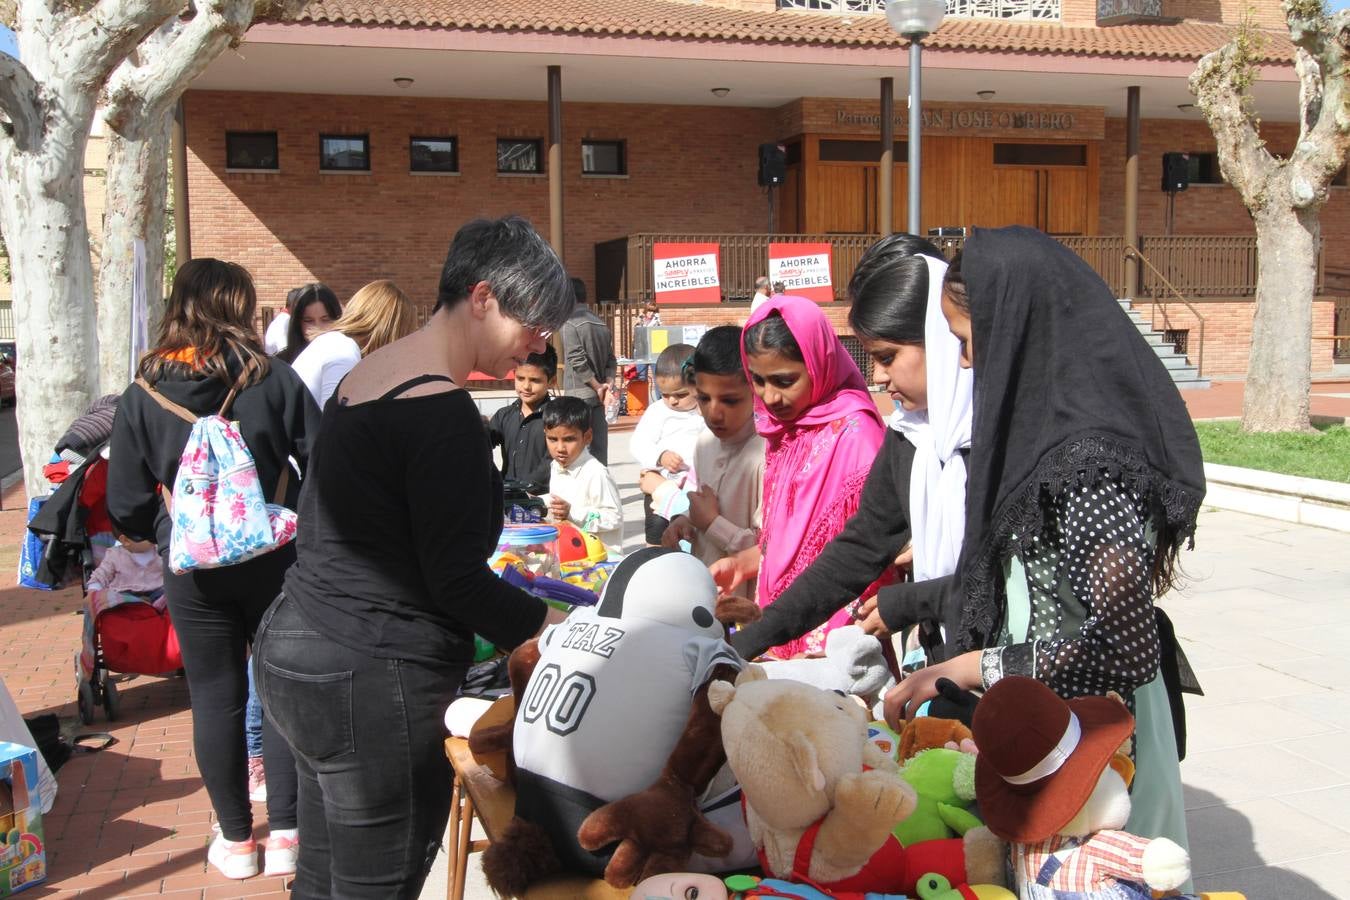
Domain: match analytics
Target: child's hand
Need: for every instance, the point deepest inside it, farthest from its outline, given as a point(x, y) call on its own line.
point(558, 509)
point(671, 461)
point(679, 529)
point(650, 480)
point(730, 572)
point(703, 507)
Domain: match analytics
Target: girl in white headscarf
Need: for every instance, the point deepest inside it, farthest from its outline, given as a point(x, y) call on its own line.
point(914, 498)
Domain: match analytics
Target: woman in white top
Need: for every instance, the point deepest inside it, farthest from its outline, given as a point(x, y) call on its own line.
point(378, 314)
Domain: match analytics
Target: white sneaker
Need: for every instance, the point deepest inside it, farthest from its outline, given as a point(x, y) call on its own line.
point(234, 859)
point(281, 852)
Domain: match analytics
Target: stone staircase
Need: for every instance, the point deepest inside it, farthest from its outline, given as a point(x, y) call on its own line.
point(1184, 375)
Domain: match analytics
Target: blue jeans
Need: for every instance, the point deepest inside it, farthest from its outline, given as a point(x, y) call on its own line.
point(369, 743)
point(253, 716)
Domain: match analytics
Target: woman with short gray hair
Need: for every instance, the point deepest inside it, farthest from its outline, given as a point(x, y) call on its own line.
point(358, 658)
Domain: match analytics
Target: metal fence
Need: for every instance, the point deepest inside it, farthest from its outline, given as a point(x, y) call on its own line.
point(1199, 265)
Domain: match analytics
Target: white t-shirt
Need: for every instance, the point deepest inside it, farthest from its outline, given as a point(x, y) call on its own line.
point(325, 362)
point(662, 428)
point(274, 339)
point(757, 301)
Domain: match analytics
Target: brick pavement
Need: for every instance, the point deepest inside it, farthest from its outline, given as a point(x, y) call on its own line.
point(133, 820)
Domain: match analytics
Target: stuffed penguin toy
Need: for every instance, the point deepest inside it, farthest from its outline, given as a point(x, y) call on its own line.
point(608, 714)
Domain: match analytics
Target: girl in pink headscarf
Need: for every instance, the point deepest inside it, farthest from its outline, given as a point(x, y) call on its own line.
point(823, 432)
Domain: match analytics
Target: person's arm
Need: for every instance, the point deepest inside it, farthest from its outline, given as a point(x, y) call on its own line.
point(335, 368)
point(1107, 560)
point(910, 602)
point(106, 572)
point(539, 472)
point(449, 492)
point(577, 361)
point(309, 366)
point(302, 416)
point(848, 564)
point(133, 490)
point(496, 433)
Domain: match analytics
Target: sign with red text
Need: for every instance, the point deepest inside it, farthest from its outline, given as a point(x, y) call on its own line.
point(686, 273)
point(803, 269)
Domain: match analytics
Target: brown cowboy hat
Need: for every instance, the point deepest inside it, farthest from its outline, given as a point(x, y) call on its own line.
point(1041, 756)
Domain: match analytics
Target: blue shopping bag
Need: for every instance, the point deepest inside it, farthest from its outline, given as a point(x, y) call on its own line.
point(30, 554)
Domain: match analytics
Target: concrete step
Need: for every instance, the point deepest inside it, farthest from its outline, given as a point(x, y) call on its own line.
point(1184, 375)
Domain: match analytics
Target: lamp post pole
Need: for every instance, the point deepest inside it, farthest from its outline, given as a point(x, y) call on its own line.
point(914, 166)
point(914, 20)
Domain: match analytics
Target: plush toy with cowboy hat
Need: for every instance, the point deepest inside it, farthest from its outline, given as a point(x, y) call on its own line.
point(1052, 782)
point(821, 800)
point(618, 760)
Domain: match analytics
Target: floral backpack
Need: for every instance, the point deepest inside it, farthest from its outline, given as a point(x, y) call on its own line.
point(220, 516)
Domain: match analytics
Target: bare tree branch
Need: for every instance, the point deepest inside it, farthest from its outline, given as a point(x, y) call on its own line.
point(1324, 94)
point(19, 101)
point(1241, 150)
point(98, 41)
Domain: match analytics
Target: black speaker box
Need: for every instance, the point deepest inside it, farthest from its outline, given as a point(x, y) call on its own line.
point(1176, 172)
point(772, 164)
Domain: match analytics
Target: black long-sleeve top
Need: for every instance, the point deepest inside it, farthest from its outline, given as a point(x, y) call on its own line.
point(524, 448)
point(870, 541)
point(400, 512)
point(277, 418)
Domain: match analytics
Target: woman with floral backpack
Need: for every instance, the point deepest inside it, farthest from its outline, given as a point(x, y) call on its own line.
point(209, 361)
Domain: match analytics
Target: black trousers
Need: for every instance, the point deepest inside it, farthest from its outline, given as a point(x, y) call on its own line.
point(369, 742)
point(216, 613)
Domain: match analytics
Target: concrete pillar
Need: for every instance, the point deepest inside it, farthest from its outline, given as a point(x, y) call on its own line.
point(555, 163)
point(885, 194)
point(1132, 188)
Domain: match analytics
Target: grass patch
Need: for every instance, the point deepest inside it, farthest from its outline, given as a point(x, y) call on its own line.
point(1325, 455)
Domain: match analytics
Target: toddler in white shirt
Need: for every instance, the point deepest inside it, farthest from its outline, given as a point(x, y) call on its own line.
point(131, 567)
point(580, 489)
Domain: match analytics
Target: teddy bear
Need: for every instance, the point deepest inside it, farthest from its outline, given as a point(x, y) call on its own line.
point(1052, 782)
point(616, 755)
point(821, 800)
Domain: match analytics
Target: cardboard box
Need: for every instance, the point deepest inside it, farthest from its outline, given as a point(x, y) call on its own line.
point(23, 855)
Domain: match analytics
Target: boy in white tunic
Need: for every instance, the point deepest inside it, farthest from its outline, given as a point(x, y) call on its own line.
point(581, 490)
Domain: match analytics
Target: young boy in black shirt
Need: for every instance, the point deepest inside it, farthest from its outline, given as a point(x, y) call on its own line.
point(519, 428)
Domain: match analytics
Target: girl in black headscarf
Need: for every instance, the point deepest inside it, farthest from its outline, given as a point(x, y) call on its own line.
point(1085, 479)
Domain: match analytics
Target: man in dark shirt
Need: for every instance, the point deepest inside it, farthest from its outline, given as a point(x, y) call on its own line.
point(588, 366)
point(518, 428)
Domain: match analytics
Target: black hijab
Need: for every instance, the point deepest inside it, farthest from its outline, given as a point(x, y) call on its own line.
point(1067, 391)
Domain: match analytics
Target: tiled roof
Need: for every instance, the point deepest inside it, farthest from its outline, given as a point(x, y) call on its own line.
point(702, 21)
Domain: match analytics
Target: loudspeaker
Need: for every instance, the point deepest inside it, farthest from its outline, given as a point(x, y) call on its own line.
point(1176, 172)
point(772, 164)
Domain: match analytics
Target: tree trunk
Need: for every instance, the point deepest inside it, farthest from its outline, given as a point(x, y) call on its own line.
point(138, 165)
point(53, 294)
point(1280, 366)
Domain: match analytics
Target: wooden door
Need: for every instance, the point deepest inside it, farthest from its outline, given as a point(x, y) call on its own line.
point(1064, 201)
point(1014, 198)
point(842, 201)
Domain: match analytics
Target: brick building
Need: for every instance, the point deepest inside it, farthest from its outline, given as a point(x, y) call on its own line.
point(350, 145)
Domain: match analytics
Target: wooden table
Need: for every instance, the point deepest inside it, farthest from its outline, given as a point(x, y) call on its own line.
point(477, 792)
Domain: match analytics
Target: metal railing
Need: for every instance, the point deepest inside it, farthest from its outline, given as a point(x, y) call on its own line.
point(1197, 265)
point(1133, 253)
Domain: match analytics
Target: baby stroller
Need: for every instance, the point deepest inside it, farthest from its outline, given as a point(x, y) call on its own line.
point(123, 632)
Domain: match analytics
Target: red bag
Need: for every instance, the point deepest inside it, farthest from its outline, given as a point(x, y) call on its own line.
point(138, 638)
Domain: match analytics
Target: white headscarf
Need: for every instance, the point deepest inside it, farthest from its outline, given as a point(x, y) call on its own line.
point(937, 481)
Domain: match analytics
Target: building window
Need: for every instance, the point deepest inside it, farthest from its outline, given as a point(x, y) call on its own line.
point(860, 151)
point(603, 158)
point(344, 153)
point(1203, 168)
point(1040, 155)
point(520, 156)
point(1039, 10)
point(256, 150)
point(433, 154)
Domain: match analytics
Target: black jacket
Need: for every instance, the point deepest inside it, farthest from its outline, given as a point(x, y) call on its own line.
point(870, 541)
point(524, 450)
point(277, 418)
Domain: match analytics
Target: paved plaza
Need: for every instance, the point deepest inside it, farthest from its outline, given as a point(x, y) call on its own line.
point(1264, 619)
